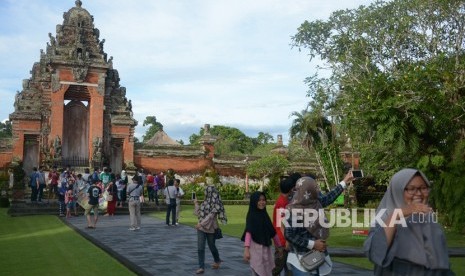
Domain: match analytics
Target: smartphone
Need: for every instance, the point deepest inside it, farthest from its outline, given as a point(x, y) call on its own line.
point(193, 195)
point(357, 173)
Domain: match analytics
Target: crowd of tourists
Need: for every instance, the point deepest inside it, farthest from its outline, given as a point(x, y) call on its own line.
point(91, 189)
point(407, 248)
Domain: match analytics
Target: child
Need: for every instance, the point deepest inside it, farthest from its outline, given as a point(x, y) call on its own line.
point(120, 185)
point(70, 203)
point(62, 189)
point(257, 237)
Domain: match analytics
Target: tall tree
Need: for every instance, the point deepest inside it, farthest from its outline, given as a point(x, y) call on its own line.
point(230, 140)
point(270, 166)
point(314, 131)
point(154, 126)
point(395, 68)
point(6, 129)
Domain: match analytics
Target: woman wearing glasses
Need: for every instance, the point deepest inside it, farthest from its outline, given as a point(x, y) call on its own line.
point(407, 240)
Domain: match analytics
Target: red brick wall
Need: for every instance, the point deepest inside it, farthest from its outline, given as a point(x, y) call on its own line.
point(128, 146)
point(181, 165)
point(5, 159)
point(185, 165)
point(20, 128)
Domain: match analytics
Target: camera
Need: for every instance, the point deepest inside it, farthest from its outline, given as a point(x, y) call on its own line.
point(357, 173)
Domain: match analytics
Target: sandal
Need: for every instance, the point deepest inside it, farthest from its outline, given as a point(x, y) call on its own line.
point(200, 271)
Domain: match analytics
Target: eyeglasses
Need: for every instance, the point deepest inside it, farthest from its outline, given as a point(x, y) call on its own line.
point(414, 190)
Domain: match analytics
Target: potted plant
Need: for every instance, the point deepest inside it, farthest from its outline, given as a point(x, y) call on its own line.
point(19, 186)
point(4, 185)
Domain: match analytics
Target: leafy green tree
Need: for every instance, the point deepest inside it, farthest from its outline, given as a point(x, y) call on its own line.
point(263, 149)
point(271, 166)
point(230, 140)
point(262, 139)
point(6, 129)
point(396, 84)
point(154, 127)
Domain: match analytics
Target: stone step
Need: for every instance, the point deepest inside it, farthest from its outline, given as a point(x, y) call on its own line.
point(24, 208)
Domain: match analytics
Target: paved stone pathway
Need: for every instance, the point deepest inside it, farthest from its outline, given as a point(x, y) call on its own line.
point(157, 249)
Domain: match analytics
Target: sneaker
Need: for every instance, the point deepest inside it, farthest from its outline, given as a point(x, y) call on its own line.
point(132, 229)
point(137, 228)
point(177, 224)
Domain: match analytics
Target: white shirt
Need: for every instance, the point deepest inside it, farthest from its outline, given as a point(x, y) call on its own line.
point(170, 192)
point(179, 195)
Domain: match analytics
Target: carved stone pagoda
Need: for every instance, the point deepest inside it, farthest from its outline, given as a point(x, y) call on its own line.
point(73, 111)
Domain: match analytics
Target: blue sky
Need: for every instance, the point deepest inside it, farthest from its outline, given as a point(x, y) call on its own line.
point(187, 62)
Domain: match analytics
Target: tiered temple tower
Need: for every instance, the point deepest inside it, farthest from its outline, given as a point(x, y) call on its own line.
point(72, 110)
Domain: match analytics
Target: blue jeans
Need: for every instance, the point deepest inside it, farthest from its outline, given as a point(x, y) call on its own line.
point(171, 209)
point(34, 192)
point(210, 238)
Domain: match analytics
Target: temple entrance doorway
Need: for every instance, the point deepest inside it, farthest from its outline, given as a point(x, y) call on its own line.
point(31, 152)
point(75, 143)
point(116, 160)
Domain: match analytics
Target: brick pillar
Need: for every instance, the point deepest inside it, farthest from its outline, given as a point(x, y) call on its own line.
point(96, 108)
point(56, 116)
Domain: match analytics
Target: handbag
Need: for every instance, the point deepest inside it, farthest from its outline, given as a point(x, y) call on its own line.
point(218, 233)
point(312, 259)
point(172, 200)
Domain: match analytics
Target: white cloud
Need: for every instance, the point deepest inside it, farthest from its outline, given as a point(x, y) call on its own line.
point(187, 62)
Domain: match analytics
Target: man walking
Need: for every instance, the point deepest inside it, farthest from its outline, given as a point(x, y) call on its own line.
point(34, 184)
point(94, 193)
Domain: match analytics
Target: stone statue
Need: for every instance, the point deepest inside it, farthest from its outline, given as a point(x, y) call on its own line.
point(52, 39)
point(97, 149)
point(101, 45)
point(57, 147)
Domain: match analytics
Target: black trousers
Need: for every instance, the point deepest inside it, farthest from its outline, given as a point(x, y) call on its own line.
point(171, 208)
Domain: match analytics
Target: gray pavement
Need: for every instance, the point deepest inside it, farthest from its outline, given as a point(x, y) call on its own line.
point(158, 249)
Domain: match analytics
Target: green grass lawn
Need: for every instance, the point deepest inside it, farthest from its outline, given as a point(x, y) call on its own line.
point(43, 245)
point(339, 237)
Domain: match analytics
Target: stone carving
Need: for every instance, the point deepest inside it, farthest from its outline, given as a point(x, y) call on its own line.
point(76, 45)
point(57, 147)
point(55, 82)
point(97, 150)
point(101, 45)
point(96, 33)
point(80, 73)
point(52, 40)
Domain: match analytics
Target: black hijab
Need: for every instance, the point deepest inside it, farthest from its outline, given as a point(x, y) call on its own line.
point(258, 222)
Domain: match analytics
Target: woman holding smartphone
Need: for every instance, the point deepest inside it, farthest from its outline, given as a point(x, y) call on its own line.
point(208, 212)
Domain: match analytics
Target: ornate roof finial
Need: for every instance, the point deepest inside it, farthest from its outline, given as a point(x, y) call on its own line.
point(78, 3)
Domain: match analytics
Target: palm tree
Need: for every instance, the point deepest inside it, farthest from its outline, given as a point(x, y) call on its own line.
point(313, 129)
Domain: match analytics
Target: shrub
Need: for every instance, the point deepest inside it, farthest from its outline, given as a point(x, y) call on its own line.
point(4, 202)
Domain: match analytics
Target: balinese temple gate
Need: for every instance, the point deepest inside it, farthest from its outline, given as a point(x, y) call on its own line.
point(73, 111)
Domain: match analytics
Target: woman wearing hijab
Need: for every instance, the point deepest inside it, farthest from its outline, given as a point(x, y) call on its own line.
point(257, 237)
point(303, 239)
point(407, 240)
point(209, 211)
point(124, 181)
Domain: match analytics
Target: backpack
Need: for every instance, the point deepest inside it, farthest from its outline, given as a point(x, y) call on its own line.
point(95, 177)
point(41, 178)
